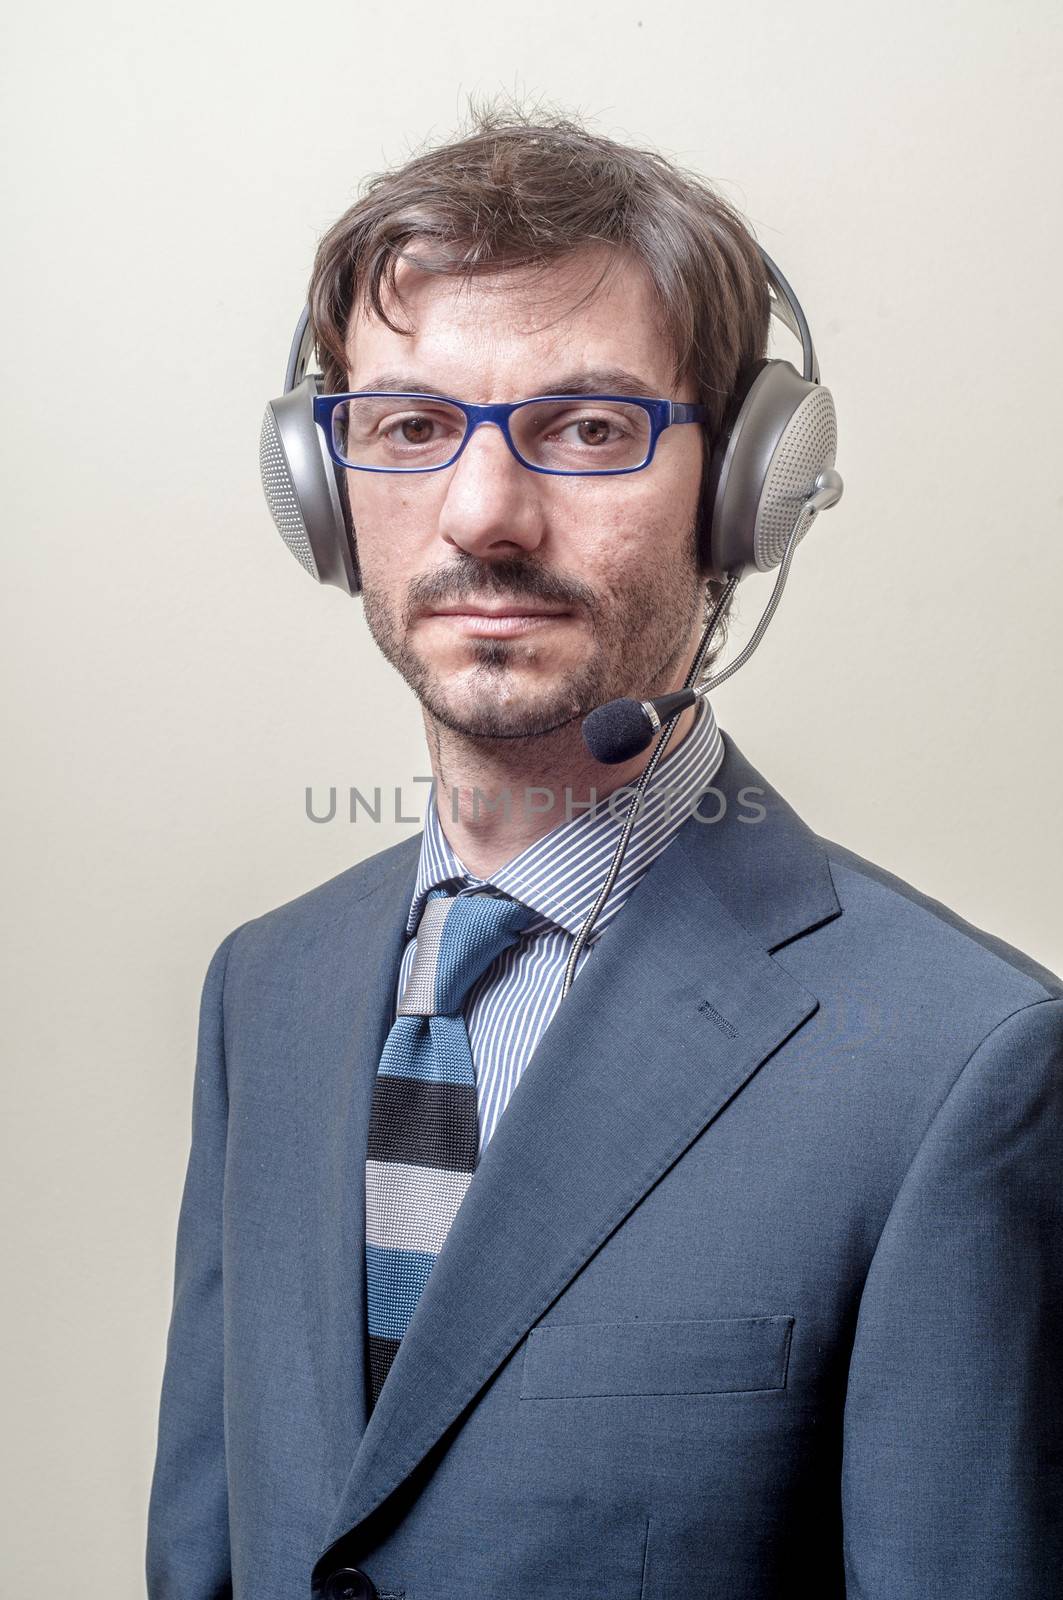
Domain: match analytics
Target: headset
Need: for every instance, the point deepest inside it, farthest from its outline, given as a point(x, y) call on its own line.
point(770, 473)
point(778, 439)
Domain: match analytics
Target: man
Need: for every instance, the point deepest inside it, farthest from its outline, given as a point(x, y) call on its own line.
point(737, 1271)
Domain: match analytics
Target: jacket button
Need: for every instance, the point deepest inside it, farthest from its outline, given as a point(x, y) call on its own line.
point(349, 1584)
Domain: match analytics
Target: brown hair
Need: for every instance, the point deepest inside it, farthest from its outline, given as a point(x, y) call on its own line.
point(521, 190)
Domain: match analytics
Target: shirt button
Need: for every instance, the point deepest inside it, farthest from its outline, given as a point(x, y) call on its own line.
point(349, 1584)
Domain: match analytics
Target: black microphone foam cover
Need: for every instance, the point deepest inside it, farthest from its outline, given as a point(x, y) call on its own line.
point(617, 731)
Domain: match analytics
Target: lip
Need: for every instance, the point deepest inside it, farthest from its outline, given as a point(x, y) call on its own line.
point(502, 623)
point(462, 609)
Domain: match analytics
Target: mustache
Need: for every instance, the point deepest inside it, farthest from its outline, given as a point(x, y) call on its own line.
point(509, 577)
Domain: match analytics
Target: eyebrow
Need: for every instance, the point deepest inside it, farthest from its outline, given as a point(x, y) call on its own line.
point(595, 380)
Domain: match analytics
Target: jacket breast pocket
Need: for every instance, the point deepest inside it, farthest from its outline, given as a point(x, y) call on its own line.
point(721, 1355)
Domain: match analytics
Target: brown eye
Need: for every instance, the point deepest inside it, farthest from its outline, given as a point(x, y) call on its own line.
point(594, 430)
point(570, 433)
point(417, 430)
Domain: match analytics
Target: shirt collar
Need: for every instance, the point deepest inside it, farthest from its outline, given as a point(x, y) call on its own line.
point(561, 874)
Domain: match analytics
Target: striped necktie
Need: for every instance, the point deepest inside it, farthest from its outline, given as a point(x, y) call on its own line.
point(423, 1128)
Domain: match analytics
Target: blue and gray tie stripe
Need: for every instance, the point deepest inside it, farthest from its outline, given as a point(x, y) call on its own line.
point(423, 1129)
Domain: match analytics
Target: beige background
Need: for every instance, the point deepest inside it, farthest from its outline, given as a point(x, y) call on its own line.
point(177, 680)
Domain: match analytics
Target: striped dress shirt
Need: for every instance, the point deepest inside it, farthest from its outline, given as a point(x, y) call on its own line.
point(559, 875)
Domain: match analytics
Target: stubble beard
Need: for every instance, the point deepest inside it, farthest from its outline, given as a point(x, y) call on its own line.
point(639, 637)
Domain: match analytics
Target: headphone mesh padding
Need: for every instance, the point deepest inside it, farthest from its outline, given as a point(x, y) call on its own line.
point(808, 445)
point(280, 494)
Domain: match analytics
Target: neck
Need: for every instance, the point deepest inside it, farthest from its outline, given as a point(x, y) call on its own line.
point(495, 797)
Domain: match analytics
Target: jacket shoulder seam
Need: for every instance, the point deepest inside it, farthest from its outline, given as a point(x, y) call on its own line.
point(1033, 971)
point(939, 1109)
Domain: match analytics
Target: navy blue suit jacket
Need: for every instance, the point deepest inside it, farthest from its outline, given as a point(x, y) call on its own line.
point(758, 1287)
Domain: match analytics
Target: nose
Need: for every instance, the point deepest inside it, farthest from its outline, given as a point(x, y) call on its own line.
point(493, 505)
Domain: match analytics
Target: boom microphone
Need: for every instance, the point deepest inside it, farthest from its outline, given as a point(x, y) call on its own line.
point(623, 728)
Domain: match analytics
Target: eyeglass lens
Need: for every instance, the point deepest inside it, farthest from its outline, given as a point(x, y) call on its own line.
point(574, 434)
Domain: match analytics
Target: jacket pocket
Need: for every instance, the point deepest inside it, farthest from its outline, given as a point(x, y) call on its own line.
point(724, 1355)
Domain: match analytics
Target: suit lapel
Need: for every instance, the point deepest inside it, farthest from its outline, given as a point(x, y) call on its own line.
point(349, 969)
point(677, 1007)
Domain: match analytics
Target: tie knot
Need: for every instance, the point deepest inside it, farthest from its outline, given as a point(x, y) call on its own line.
point(458, 937)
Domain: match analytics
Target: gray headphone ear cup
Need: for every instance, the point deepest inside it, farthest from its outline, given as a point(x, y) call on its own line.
point(303, 490)
point(782, 436)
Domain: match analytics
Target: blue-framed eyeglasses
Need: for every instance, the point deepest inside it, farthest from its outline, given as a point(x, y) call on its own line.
point(564, 435)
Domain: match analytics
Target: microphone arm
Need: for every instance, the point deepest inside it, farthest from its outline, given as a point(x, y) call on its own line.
point(623, 728)
point(662, 715)
point(650, 768)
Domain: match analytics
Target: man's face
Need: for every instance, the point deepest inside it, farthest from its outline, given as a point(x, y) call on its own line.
point(595, 577)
